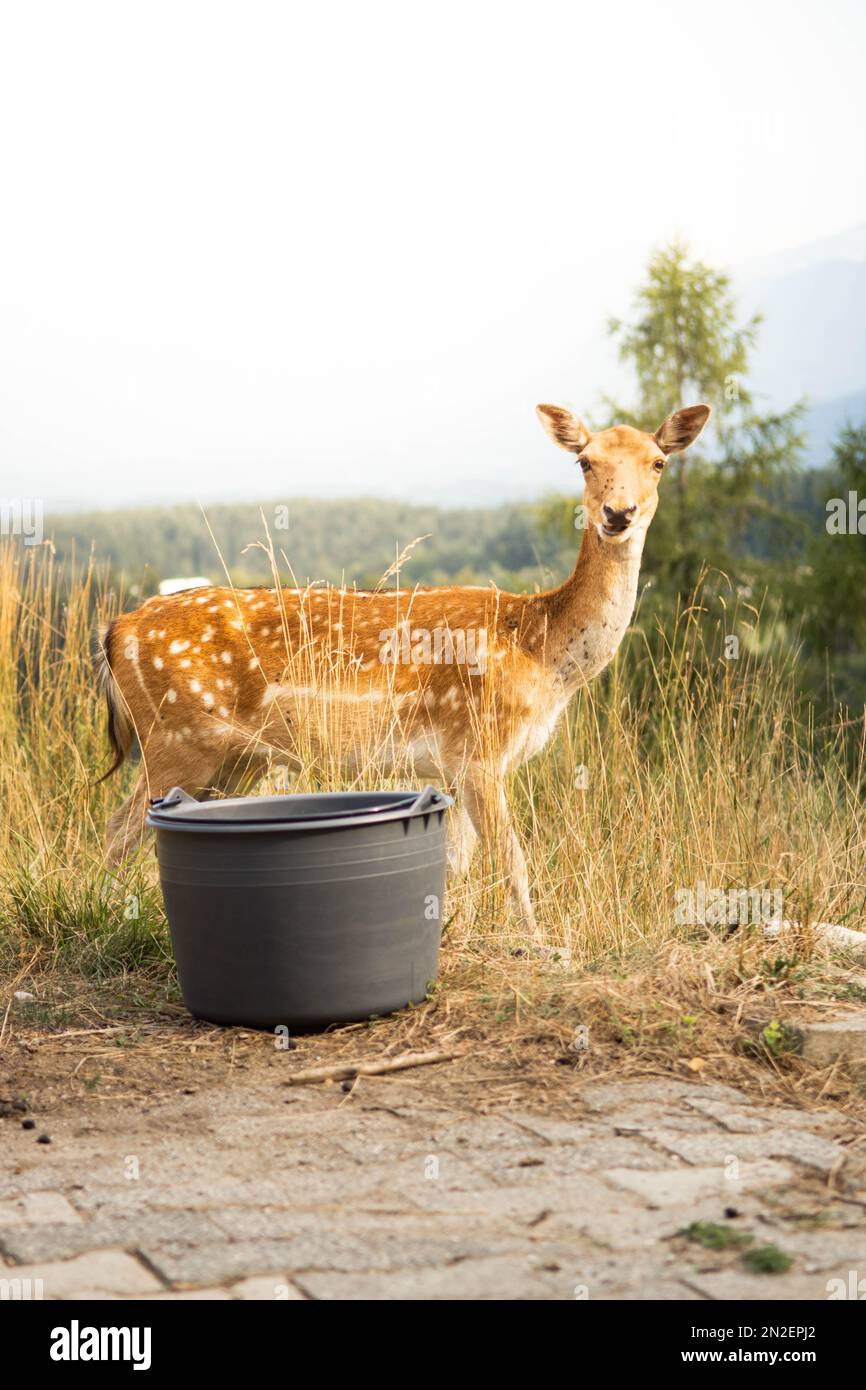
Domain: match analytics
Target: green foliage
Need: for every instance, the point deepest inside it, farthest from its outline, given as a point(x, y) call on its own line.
point(685, 346)
point(777, 1039)
point(825, 591)
point(766, 1259)
point(712, 1236)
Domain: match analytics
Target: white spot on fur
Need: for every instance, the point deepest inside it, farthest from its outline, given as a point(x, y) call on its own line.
point(171, 696)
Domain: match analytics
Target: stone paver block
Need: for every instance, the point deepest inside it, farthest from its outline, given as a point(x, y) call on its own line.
point(610, 1275)
point(554, 1129)
point(324, 1249)
point(616, 1151)
point(606, 1095)
point(481, 1134)
point(845, 1038)
point(38, 1208)
point(107, 1272)
point(676, 1187)
point(715, 1148)
point(633, 1119)
point(409, 1224)
point(511, 1277)
point(737, 1285)
point(28, 1244)
point(637, 1228)
point(268, 1288)
point(189, 1296)
point(736, 1119)
point(525, 1201)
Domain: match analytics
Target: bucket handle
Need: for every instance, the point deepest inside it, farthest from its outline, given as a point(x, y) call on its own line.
point(426, 800)
point(176, 797)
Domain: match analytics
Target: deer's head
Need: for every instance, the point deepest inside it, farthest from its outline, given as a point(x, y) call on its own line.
point(622, 466)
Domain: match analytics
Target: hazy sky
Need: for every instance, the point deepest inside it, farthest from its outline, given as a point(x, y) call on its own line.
point(267, 249)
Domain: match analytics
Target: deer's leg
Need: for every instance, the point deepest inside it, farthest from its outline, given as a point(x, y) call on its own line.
point(238, 776)
point(189, 767)
point(461, 840)
point(487, 805)
point(126, 828)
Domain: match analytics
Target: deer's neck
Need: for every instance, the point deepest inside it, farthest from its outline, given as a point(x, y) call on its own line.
point(586, 618)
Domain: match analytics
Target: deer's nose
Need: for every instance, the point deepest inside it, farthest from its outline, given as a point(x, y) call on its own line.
point(618, 518)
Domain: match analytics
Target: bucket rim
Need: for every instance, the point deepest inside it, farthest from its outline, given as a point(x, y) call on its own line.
point(177, 810)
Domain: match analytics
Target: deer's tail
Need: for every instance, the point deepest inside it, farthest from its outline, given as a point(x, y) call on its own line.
point(121, 730)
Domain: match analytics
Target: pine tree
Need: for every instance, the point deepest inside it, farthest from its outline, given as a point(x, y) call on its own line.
point(685, 345)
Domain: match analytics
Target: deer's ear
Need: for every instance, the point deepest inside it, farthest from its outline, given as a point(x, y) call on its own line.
point(681, 429)
point(565, 429)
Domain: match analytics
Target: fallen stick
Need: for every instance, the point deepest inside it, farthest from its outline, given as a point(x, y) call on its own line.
point(82, 1032)
point(346, 1071)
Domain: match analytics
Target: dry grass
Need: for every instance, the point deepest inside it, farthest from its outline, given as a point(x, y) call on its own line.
point(679, 767)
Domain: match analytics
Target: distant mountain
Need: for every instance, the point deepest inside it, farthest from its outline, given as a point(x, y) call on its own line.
point(813, 338)
point(844, 246)
point(825, 419)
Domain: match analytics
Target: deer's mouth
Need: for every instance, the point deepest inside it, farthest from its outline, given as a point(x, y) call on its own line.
point(614, 531)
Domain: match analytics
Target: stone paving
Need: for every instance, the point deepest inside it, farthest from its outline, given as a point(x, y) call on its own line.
point(310, 1193)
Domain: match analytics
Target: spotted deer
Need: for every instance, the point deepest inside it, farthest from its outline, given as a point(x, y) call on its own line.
point(461, 683)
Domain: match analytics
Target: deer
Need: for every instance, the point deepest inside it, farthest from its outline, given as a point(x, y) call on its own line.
point(461, 683)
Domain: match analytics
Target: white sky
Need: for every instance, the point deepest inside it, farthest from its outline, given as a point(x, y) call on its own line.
point(267, 249)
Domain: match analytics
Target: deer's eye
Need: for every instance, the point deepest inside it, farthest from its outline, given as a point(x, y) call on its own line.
point(659, 464)
point(585, 465)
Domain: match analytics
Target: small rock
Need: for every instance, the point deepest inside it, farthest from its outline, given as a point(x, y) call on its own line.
point(44, 1139)
point(24, 997)
point(28, 1124)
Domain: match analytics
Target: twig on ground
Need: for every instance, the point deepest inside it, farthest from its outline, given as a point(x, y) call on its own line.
point(347, 1071)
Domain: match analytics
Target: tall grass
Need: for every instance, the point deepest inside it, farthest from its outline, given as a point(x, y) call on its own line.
point(681, 765)
point(57, 903)
point(686, 765)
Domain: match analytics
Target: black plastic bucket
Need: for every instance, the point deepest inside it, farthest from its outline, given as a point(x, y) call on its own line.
point(302, 911)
